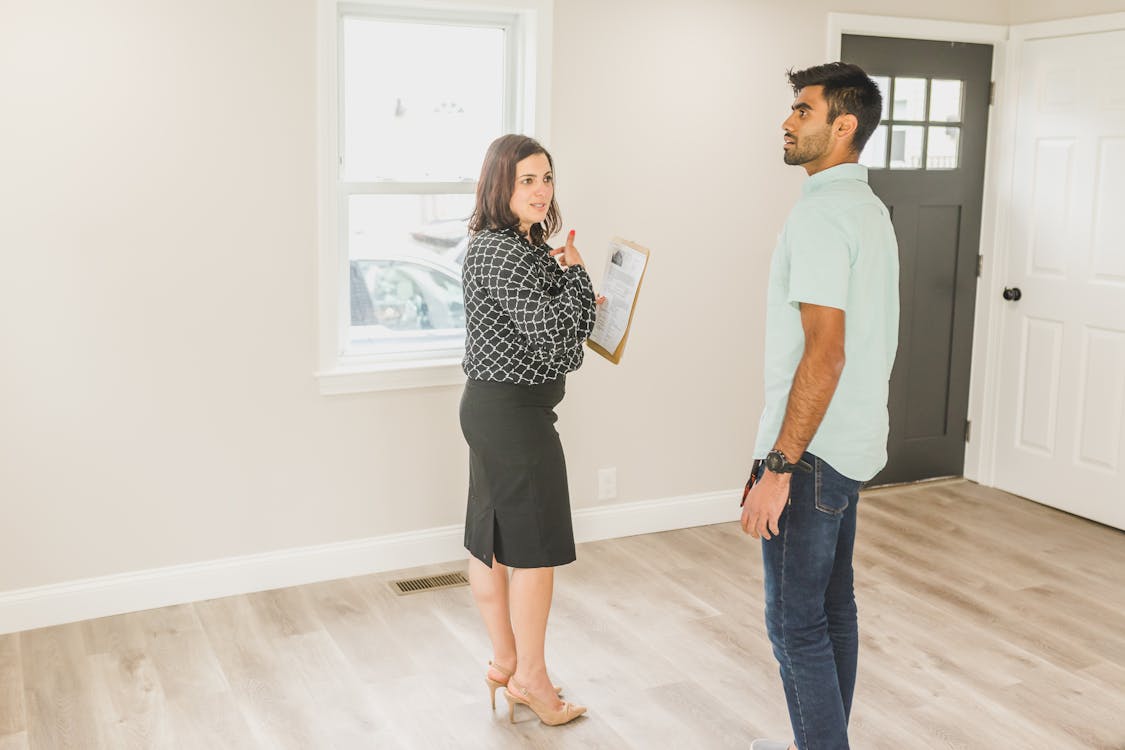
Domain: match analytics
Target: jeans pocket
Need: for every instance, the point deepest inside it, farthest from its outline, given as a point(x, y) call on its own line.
point(833, 490)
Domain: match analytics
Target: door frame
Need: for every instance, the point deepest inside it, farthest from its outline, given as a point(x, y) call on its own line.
point(979, 458)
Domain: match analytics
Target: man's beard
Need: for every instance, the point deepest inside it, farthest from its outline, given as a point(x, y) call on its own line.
point(809, 147)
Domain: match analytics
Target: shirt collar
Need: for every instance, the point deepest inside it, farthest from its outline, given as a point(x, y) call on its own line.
point(847, 171)
point(514, 233)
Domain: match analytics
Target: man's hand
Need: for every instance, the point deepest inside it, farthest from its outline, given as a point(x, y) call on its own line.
point(764, 504)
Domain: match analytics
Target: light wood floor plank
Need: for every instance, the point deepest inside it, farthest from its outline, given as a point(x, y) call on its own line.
point(17, 741)
point(58, 690)
point(210, 720)
point(175, 642)
point(13, 718)
point(126, 684)
point(132, 708)
point(376, 649)
point(346, 715)
point(986, 621)
point(276, 707)
point(411, 626)
point(125, 687)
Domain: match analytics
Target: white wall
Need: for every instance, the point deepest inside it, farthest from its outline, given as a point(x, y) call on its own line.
point(157, 293)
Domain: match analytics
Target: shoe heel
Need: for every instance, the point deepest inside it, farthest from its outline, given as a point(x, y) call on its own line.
point(511, 706)
point(493, 686)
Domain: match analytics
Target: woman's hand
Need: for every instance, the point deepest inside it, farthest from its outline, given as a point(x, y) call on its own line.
point(568, 254)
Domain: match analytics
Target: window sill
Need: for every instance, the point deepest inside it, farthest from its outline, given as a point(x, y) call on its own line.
point(390, 376)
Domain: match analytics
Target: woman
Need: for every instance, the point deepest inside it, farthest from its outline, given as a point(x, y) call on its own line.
point(527, 310)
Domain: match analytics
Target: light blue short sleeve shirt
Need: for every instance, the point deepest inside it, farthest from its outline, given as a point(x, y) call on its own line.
point(837, 249)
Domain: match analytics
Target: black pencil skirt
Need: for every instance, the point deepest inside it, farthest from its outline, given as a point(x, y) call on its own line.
point(519, 504)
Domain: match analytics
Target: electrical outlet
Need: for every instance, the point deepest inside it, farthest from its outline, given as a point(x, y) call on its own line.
point(607, 483)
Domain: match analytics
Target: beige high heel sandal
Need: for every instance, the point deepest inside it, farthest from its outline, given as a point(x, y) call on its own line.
point(549, 716)
point(493, 685)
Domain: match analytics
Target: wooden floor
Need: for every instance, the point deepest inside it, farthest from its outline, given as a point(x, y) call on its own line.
point(986, 622)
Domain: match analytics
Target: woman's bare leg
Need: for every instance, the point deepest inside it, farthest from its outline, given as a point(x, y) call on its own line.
point(490, 590)
point(530, 597)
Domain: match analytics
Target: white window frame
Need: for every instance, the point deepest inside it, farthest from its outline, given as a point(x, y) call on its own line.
point(527, 23)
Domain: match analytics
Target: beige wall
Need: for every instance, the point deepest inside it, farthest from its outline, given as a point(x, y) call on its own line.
point(1030, 11)
point(157, 293)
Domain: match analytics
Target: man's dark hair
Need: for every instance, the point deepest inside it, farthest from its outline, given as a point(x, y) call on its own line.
point(498, 182)
point(848, 91)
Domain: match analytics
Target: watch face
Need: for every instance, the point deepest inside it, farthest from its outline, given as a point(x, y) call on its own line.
point(775, 462)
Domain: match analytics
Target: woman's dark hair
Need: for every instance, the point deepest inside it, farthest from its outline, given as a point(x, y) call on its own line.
point(848, 91)
point(498, 182)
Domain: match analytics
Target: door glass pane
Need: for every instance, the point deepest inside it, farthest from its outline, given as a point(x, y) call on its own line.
point(875, 152)
point(910, 99)
point(945, 101)
point(884, 84)
point(942, 149)
point(906, 146)
point(421, 101)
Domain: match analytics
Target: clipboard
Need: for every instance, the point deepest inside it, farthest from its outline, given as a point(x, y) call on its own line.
point(615, 355)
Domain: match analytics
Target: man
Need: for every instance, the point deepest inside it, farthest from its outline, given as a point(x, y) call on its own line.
point(831, 335)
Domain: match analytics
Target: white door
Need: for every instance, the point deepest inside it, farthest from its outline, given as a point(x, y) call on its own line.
point(1061, 401)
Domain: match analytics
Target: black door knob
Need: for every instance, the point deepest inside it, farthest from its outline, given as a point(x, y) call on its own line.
point(1012, 293)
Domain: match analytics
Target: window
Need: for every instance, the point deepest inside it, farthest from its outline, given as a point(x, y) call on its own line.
point(412, 97)
point(920, 126)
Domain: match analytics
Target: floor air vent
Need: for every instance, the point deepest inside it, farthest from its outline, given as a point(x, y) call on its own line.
point(429, 583)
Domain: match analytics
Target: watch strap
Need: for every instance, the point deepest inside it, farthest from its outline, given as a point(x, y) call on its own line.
point(788, 467)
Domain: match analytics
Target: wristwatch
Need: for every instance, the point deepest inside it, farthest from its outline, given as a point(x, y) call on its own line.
point(779, 464)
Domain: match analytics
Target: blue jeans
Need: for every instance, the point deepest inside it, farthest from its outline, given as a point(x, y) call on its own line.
point(810, 604)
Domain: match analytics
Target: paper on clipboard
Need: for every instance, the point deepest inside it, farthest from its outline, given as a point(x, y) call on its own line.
point(624, 271)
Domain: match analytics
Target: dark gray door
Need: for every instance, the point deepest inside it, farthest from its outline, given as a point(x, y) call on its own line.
point(927, 164)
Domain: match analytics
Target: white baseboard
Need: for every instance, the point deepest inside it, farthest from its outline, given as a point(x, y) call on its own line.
point(651, 516)
point(55, 604)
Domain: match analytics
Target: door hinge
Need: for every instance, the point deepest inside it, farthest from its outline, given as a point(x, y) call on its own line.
point(991, 93)
point(968, 429)
point(980, 265)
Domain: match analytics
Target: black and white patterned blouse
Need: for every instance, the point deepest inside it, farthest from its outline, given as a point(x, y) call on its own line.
point(525, 317)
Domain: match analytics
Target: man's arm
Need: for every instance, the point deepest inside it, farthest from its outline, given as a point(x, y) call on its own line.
point(815, 380)
point(814, 383)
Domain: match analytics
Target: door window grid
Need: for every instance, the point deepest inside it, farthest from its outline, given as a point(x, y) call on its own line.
point(920, 126)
